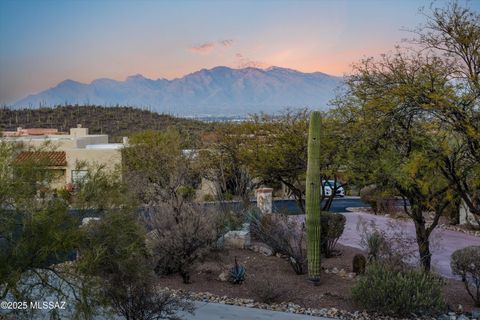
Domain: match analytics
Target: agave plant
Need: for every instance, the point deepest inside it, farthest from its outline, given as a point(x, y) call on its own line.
point(237, 273)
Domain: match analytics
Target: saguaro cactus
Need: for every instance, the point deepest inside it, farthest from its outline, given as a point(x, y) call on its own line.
point(313, 192)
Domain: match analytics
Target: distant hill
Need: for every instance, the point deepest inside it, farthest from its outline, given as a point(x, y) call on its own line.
point(114, 121)
point(218, 91)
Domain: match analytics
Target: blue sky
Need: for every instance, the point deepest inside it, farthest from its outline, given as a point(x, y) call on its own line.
point(44, 42)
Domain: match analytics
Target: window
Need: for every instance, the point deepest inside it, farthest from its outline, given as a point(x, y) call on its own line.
point(78, 176)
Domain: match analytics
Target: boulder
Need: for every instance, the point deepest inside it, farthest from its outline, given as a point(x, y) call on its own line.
point(263, 249)
point(237, 239)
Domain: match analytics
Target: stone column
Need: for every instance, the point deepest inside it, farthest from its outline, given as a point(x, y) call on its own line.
point(264, 199)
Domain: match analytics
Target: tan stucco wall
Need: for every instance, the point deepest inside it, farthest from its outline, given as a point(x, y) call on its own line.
point(111, 158)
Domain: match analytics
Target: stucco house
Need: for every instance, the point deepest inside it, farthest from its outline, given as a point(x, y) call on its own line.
point(67, 150)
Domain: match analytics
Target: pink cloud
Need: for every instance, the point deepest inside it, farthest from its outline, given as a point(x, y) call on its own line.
point(207, 47)
point(203, 48)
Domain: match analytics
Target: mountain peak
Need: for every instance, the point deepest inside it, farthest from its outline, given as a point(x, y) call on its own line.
point(67, 83)
point(217, 91)
point(136, 77)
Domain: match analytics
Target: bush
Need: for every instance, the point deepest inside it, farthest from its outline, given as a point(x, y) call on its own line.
point(284, 235)
point(466, 263)
point(114, 257)
point(179, 238)
point(391, 246)
point(403, 293)
point(269, 291)
point(359, 263)
point(332, 226)
point(377, 246)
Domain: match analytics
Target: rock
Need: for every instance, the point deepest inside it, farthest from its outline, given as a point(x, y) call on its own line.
point(334, 270)
point(237, 239)
point(223, 276)
point(263, 249)
point(342, 273)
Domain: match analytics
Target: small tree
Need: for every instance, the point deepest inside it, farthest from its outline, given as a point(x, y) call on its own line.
point(157, 169)
point(179, 238)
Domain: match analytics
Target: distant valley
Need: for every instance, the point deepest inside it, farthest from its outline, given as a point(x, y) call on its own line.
point(220, 91)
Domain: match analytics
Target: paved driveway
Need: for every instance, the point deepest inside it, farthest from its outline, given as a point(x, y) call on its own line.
point(443, 242)
point(218, 311)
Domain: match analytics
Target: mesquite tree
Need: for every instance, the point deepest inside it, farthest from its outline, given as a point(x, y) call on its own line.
point(313, 198)
point(397, 141)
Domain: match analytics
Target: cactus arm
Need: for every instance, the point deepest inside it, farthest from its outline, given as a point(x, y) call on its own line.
point(313, 194)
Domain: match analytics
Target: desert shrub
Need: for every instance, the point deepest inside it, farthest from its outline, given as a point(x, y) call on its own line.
point(267, 290)
point(376, 246)
point(284, 235)
point(180, 237)
point(359, 263)
point(392, 245)
point(332, 226)
point(466, 263)
point(403, 293)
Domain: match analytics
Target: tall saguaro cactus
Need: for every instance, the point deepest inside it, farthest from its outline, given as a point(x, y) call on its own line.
point(313, 192)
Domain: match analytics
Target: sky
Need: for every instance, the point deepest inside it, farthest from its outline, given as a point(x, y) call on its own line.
point(44, 42)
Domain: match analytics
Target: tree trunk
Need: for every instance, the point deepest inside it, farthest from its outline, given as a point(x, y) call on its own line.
point(423, 242)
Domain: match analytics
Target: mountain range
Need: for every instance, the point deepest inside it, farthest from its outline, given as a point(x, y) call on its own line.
point(216, 91)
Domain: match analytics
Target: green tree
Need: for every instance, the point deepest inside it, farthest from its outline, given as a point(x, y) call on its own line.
point(274, 150)
point(157, 169)
point(453, 34)
point(221, 162)
point(101, 189)
point(386, 109)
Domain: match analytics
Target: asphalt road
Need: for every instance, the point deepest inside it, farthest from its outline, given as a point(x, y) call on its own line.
point(290, 206)
point(338, 205)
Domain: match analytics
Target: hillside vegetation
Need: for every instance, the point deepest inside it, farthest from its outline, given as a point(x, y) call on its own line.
point(114, 121)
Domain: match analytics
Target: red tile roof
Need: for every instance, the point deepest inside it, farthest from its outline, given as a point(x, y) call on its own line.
point(47, 158)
